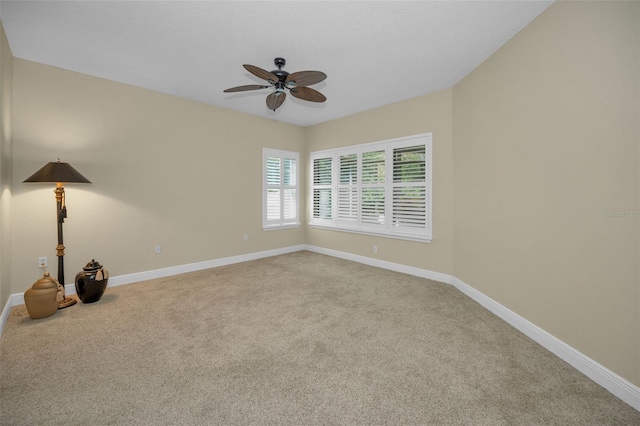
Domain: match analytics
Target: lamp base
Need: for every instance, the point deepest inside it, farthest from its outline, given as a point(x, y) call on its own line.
point(68, 301)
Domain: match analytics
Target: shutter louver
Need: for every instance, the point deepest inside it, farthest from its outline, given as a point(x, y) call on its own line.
point(273, 194)
point(273, 204)
point(322, 171)
point(409, 189)
point(348, 204)
point(409, 206)
point(289, 204)
point(348, 189)
point(373, 190)
point(373, 206)
point(273, 171)
point(373, 167)
point(289, 177)
point(322, 192)
point(289, 195)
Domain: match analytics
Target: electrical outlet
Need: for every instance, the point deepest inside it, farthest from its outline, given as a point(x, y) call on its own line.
point(158, 249)
point(375, 249)
point(42, 262)
point(245, 238)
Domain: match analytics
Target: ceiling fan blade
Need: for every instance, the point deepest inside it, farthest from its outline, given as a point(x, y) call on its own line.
point(275, 99)
point(307, 94)
point(305, 78)
point(259, 72)
point(245, 88)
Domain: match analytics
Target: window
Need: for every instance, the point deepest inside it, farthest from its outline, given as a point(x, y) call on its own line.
point(382, 188)
point(280, 189)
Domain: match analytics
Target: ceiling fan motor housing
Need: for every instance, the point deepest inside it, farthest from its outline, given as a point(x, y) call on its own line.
point(280, 73)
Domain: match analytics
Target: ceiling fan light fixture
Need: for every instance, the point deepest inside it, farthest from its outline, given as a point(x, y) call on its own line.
point(296, 82)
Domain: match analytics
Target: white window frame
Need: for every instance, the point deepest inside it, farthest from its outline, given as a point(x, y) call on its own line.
point(281, 222)
point(386, 226)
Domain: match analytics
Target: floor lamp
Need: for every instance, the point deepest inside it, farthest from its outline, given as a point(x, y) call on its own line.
point(59, 173)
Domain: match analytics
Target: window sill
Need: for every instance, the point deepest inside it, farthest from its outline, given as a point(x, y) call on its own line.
point(277, 227)
point(418, 238)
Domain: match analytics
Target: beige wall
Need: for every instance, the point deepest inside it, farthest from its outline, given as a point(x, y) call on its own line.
point(6, 96)
point(429, 113)
point(165, 170)
point(546, 142)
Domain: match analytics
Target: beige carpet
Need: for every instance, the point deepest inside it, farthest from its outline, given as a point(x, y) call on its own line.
point(297, 339)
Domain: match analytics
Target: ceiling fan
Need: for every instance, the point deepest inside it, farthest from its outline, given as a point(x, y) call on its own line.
point(296, 83)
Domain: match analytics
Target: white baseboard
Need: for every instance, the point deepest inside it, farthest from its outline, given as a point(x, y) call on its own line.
point(397, 267)
point(5, 313)
point(618, 386)
point(198, 266)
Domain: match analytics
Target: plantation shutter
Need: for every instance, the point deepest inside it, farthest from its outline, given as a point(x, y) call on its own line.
point(373, 189)
point(409, 191)
point(273, 188)
point(322, 189)
point(348, 190)
point(289, 187)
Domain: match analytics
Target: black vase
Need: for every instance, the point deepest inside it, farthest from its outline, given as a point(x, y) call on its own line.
point(91, 282)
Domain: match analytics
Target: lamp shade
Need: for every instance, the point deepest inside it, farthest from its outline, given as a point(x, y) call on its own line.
point(57, 172)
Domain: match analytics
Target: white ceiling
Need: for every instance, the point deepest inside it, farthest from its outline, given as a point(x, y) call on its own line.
point(374, 52)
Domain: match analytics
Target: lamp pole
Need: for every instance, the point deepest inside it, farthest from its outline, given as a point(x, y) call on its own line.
point(62, 213)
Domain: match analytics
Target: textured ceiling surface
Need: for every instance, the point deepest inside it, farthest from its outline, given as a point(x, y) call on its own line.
point(374, 52)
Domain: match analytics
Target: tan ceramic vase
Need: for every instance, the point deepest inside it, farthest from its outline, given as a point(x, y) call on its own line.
point(40, 299)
